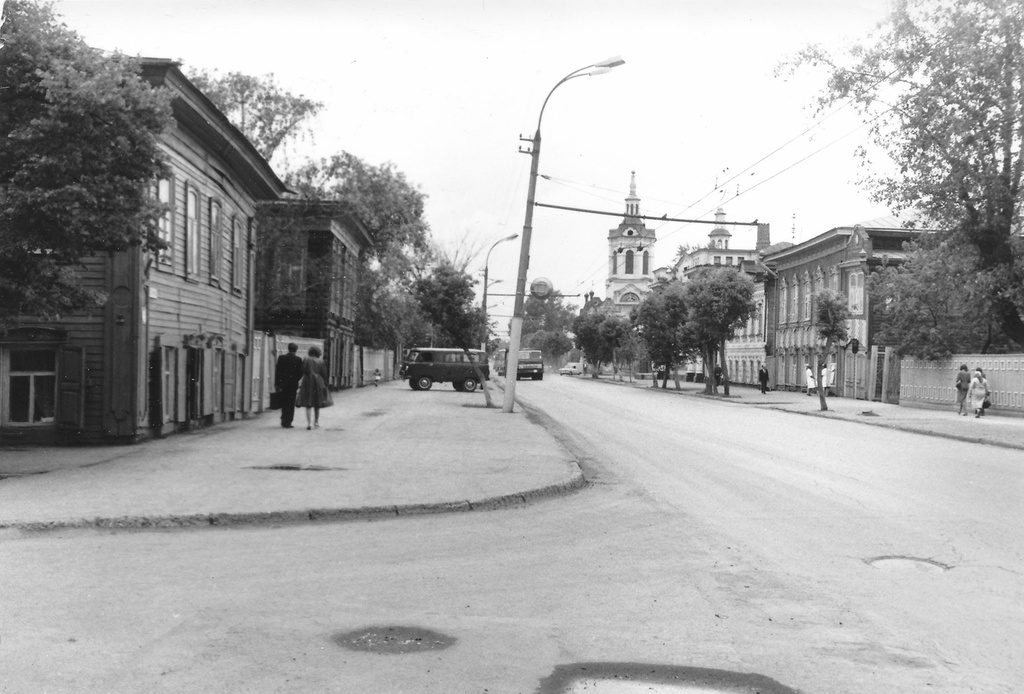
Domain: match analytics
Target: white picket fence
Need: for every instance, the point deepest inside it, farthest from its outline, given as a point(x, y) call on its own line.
point(934, 382)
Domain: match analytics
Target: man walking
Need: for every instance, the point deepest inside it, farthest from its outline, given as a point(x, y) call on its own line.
point(286, 382)
point(762, 377)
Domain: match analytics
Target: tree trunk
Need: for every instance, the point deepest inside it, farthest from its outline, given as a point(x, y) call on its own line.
point(480, 377)
point(707, 354)
point(725, 371)
point(822, 390)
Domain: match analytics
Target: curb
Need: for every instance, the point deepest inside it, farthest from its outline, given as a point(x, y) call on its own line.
point(320, 515)
point(830, 414)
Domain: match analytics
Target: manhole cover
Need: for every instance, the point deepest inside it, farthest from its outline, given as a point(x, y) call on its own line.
point(301, 468)
point(907, 564)
point(634, 678)
point(393, 640)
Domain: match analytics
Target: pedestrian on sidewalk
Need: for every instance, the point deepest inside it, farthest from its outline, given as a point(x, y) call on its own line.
point(811, 385)
point(313, 392)
point(762, 377)
point(286, 382)
point(376, 377)
point(963, 384)
point(978, 392)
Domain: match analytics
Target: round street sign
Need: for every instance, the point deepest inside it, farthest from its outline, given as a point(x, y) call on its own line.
point(541, 288)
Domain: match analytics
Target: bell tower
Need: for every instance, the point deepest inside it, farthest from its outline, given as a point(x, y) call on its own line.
point(630, 256)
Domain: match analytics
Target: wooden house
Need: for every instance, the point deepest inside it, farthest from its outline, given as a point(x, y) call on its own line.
point(307, 266)
point(172, 347)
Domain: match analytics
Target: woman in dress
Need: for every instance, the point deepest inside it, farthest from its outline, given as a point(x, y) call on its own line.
point(977, 392)
point(313, 393)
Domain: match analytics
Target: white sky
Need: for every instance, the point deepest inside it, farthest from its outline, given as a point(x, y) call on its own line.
point(443, 89)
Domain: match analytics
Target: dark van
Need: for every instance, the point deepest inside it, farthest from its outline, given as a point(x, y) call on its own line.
point(425, 366)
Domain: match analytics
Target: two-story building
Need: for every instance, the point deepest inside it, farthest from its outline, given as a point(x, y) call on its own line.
point(171, 349)
point(307, 265)
point(840, 259)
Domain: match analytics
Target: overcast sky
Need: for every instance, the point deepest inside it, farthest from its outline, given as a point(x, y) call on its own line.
point(443, 89)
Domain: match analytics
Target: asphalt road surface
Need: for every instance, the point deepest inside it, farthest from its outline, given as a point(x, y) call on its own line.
point(825, 556)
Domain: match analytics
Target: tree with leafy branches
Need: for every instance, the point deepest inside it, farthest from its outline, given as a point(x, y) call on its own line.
point(935, 304)
point(718, 301)
point(942, 87)
point(831, 315)
point(546, 325)
point(267, 114)
point(660, 321)
point(392, 210)
point(447, 299)
point(598, 335)
point(79, 154)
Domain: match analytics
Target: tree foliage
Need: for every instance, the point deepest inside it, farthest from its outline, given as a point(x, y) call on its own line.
point(942, 86)
point(661, 321)
point(266, 114)
point(935, 303)
point(392, 210)
point(78, 156)
point(447, 299)
point(598, 335)
point(831, 314)
point(718, 302)
point(546, 325)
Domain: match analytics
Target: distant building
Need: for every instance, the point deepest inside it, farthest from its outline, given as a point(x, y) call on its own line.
point(840, 259)
point(745, 351)
point(630, 258)
point(171, 349)
point(307, 267)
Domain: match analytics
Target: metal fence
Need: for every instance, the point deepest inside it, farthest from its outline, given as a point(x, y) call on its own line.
point(934, 382)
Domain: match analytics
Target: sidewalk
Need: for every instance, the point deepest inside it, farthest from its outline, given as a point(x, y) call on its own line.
point(379, 452)
point(995, 428)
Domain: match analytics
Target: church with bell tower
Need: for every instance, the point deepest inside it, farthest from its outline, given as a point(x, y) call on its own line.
point(630, 258)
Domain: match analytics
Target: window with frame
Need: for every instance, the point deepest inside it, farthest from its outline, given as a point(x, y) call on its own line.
point(806, 314)
point(794, 301)
point(629, 262)
point(855, 299)
point(783, 299)
point(647, 263)
point(31, 376)
point(192, 245)
point(237, 253)
point(170, 380)
point(216, 234)
point(165, 225)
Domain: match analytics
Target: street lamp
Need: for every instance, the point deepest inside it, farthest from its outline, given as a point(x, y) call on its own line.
point(487, 260)
point(516, 336)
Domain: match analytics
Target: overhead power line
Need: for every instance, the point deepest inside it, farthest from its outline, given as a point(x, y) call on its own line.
point(663, 218)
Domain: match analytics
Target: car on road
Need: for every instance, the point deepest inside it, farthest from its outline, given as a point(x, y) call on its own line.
point(573, 368)
point(425, 366)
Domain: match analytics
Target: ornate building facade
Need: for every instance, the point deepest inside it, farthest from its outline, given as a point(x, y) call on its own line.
point(630, 258)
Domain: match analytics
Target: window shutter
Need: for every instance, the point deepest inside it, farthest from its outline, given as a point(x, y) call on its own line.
point(71, 391)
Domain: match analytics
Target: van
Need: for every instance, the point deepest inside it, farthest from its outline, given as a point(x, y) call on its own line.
point(531, 364)
point(425, 366)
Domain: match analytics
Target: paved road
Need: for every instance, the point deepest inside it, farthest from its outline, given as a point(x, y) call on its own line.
point(713, 536)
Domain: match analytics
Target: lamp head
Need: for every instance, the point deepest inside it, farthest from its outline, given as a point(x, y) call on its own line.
point(609, 63)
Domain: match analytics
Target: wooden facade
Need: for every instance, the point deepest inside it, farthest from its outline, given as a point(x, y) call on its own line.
point(171, 349)
point(841, 259)
point(307, 268)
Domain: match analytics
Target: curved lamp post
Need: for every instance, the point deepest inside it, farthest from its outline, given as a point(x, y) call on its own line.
point(516, 333)
point(487, 260)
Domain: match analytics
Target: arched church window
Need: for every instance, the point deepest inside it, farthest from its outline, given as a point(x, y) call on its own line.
point(630, 298)
point(647, 263)
point(629, 262)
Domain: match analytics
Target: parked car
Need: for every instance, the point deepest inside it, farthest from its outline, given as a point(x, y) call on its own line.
point(573, 368)
point(425, 366)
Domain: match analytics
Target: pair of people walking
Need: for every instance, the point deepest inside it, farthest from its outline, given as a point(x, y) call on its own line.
point(302, 383)
point(973, 389)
